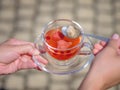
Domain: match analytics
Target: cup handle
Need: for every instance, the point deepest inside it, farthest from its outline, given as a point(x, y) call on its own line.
point(39, 64)
point(42, 49)
point(86, 52)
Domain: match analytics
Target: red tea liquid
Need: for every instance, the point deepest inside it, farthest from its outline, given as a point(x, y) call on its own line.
point(60, 45)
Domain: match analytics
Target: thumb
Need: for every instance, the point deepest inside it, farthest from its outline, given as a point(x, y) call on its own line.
point(115, 41)
point(26, 49)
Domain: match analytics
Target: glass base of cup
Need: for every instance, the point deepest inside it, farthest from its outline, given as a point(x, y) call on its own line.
point(61, 62)
point(75, 64)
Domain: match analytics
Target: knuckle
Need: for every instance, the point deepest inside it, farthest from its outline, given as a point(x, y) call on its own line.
point(29, 46)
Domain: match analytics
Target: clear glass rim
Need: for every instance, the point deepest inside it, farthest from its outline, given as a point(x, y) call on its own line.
point(67, 20)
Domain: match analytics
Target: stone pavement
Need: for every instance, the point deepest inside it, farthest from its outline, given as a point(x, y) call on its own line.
point(24, 19)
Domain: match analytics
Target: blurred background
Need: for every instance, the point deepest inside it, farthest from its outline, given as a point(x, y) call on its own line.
point(24, 19)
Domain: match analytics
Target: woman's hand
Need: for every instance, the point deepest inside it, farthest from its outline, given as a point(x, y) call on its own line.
point(105, 69)
point(16, 55)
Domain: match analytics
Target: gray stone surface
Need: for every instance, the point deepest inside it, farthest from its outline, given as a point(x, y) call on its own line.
point(24, 19)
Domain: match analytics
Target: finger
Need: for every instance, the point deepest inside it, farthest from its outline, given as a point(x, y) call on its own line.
point(95, 51)
point(98, 46)
point(38, 68)
point(103, 43)
point(26, 49)
point(18, 42)
point(40, 59)
point(25, 62)
point(114, 42)
point(6, 69)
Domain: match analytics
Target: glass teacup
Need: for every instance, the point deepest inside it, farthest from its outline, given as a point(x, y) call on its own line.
point(64, 55)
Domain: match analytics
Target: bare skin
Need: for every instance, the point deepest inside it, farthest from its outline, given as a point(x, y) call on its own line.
point(17, 55)
point(104, 72)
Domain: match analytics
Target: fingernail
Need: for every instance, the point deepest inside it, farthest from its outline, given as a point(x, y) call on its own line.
point(36, 52)
point(115, 36)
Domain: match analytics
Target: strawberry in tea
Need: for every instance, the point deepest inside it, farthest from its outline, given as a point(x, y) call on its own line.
point(60, 46)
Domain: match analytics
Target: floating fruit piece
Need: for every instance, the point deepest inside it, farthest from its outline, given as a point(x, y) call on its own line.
point(61, 44)
point(57, 35)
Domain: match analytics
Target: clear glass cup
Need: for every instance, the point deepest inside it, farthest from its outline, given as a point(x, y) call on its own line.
point(63, 60)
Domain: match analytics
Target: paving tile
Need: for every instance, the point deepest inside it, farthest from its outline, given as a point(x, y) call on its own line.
point(62, 4)
point(64, 15)
point(87, 26)
point(113, 88)
point(27, 2)
point(105, 19)
point(7, 2)
point(62, 86)
point(15, 82)
point(46, 7)
point(26, 12)
point(117, 4)
point(22, 36)
point(104, 6)
point(117, 16)
point(27, 24)
point(7, 14)
point(37, 80)
point(118, 28)
point(76, 83)
point(88, 2)
point(3, 38)
point(6, 27)
point(84, 13)
point(104, 31)
point(62, 78)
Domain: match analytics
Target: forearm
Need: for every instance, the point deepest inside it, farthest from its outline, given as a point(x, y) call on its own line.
point(91, 83)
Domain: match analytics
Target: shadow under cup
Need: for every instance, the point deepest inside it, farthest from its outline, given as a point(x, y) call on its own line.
point(63, 60)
